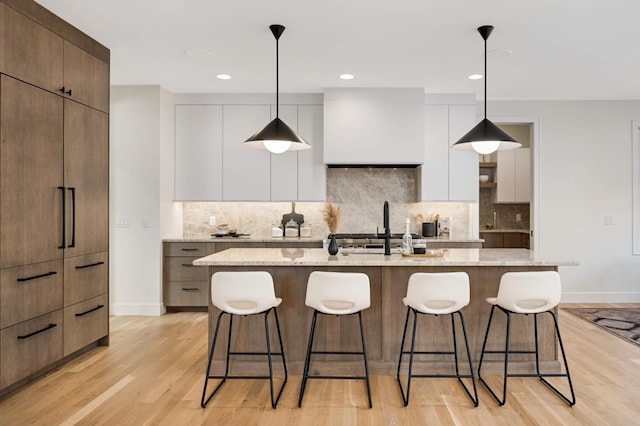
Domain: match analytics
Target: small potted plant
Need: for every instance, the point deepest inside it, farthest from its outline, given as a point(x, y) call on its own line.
point(332, 215)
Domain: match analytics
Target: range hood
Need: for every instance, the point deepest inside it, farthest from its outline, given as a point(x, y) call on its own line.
point(374, 127)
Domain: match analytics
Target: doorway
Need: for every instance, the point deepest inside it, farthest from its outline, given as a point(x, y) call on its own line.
point(509, 202)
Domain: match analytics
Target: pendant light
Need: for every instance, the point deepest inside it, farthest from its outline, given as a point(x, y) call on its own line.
point(486, 137)
point(276, 136)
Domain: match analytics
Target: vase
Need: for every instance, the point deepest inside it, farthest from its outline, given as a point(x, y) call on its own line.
point(333, 246)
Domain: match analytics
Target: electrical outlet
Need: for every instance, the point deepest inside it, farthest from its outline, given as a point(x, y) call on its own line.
point(212, 220)
point(608, 220)
point(518, 217)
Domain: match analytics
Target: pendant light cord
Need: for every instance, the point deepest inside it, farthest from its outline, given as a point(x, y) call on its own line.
point(485, 78)
point(278, 78)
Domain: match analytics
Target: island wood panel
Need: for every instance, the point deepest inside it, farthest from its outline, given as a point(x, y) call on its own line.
point(434, 332)
point(383, 323)
point(333, 333)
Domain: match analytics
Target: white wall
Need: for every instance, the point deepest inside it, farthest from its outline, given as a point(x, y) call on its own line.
point(584, 171)
point(141, 139)
point(585, 174)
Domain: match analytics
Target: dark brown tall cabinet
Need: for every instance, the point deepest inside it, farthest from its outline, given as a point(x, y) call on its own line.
point(54, 192)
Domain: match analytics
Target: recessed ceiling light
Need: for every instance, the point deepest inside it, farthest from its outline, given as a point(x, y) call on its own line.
point(475, 77)
point(223, 76)
point(199, 53)
point(499, 54)
point(347, 76)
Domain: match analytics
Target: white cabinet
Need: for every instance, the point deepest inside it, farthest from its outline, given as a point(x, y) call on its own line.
point(284, 167)
point(513, 176)
point(211, 163)
point(312, 172)
point(448, 175)
point(198, 153)
point(245, 171)
point(374, 126)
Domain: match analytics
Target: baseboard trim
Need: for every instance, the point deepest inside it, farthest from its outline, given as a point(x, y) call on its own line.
point(137, 309)
point(601, 297)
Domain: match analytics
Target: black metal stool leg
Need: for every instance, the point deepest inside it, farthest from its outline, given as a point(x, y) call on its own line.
point(473, 398)
point(307, 358)
point(538, 373)
point(284, 363)
point(484, 351)
point(571, 402)
point(405, 399)
point(268, 353)
point(364, 355)
point(204, 403)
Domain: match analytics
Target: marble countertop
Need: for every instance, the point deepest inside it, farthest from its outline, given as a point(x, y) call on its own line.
point(245, 239)
point(320, 257)
point(523, 231)
point(263, 239)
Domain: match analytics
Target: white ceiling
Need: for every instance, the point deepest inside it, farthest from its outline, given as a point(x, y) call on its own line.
point(561, 49)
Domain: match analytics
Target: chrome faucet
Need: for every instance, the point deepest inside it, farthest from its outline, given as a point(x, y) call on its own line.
point(387, 229)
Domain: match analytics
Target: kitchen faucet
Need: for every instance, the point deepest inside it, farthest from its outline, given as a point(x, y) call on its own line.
point(387, 229)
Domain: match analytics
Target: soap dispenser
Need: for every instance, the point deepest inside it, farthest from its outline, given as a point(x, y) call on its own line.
point(407, 243)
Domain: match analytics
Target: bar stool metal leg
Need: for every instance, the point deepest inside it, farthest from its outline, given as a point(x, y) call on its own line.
point(364, 356)
point(310, 351)
point(268, 353)
point(507, 352)
point(405, 397)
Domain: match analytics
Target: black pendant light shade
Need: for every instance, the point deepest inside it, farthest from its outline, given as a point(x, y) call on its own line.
point(276, 136)
point(486, 137)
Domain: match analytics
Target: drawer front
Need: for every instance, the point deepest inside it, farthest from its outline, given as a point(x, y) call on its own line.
point(296, 245)
point(85, 277)
point(30, 346)
point(85, 322)
point(182, 269)
point(187, 293)
point(189, 249)
point(30, 291)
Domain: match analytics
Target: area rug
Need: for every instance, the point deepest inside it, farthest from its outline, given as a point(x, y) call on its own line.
point(623, 322)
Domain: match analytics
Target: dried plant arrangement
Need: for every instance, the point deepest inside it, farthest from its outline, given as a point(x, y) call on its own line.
point(332, 216)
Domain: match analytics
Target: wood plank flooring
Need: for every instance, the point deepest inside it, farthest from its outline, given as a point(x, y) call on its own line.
point(152, 374)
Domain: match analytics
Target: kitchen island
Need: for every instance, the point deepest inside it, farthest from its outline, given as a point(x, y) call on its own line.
point(384, 320)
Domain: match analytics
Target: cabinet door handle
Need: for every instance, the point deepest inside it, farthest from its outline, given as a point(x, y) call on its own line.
point(65, 91)
point(35, 277)
point(89, 265)
point(190, 289)
point(64, 213)
point(73, 218)
point(90, 310)
point(190, 249)
point(26, 336)
point(187, 264)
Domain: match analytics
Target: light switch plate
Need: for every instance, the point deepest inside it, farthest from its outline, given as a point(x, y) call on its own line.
point(608, 220)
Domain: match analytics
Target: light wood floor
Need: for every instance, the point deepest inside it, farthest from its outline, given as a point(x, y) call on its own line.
point(152, 373)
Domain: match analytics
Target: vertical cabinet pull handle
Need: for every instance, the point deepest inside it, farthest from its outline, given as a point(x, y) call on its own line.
point(35, 277)
point(26, 336)
point(73, 217)
point(64, 214)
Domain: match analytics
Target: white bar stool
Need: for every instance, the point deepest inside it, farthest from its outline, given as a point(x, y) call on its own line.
point(444, 293)
point(336, 293)
point(527, 293)
point(244, 293)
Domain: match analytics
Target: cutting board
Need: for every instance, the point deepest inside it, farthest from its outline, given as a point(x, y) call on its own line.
point(297, 217)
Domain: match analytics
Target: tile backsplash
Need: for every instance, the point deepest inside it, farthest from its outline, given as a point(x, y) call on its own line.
point(505, 213)
point(360, 191)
